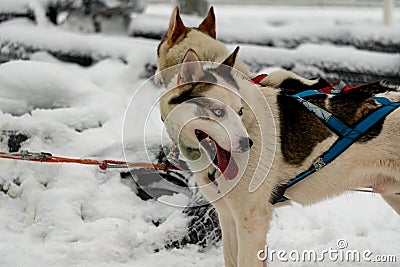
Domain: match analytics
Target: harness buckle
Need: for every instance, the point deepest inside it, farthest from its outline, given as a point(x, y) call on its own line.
point(319, 164)
point(338, 88)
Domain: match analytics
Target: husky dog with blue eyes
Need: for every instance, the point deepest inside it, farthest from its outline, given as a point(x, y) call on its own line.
point(244, 142)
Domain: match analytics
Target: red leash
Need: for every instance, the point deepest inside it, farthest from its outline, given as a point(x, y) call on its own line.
point(103, 164)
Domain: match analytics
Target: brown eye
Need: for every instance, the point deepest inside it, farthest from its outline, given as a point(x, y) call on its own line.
point(240, 112)
point(218, 112)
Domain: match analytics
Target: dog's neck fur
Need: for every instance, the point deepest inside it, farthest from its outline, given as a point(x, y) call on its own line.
point(258, 116)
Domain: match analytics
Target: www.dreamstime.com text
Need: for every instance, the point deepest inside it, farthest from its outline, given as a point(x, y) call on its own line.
point(340, 253)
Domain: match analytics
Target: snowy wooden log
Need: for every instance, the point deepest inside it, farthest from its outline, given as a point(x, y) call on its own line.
point(290, 35)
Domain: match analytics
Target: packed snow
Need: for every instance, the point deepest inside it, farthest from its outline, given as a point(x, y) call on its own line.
point(70, 215)
point(283, 24)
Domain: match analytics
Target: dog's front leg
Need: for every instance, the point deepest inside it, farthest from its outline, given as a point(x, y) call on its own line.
point(225, 216)
point(252, 232)
point(229, 233)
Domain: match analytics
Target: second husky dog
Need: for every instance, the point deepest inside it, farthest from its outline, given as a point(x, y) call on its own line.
point(179, 39)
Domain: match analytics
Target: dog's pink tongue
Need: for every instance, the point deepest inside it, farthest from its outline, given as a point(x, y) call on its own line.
point(226, 164)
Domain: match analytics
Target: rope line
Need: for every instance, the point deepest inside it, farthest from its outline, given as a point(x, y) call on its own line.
point(25, 155)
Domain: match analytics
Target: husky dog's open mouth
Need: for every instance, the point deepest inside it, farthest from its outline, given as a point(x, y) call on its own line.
point(221, 158)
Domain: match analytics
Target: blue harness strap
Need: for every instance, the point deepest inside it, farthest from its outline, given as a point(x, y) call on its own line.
point(347, 136)
point(326, 117)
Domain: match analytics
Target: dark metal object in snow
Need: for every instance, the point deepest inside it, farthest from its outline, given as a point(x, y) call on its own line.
point(14, 139)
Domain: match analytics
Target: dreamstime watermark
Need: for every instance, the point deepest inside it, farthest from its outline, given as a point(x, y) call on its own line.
point(340, 253)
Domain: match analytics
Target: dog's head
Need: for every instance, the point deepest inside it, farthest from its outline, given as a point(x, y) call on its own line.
point(203, 111)
point(179, 39)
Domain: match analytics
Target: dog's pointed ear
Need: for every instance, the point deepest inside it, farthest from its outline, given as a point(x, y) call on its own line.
point(191, 69)
point(208, 24)
point(231, 59)
point(176, 26)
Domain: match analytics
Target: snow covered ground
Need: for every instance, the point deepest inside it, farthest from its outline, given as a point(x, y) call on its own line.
point(69, 215)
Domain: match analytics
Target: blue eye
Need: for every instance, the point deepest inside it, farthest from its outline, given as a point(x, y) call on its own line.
point(218, 112)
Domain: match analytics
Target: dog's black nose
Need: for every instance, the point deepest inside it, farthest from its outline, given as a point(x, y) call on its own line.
point(245, 143)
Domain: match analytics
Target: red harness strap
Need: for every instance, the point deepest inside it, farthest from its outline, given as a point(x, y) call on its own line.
point(259, 78)
point(337, 88)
